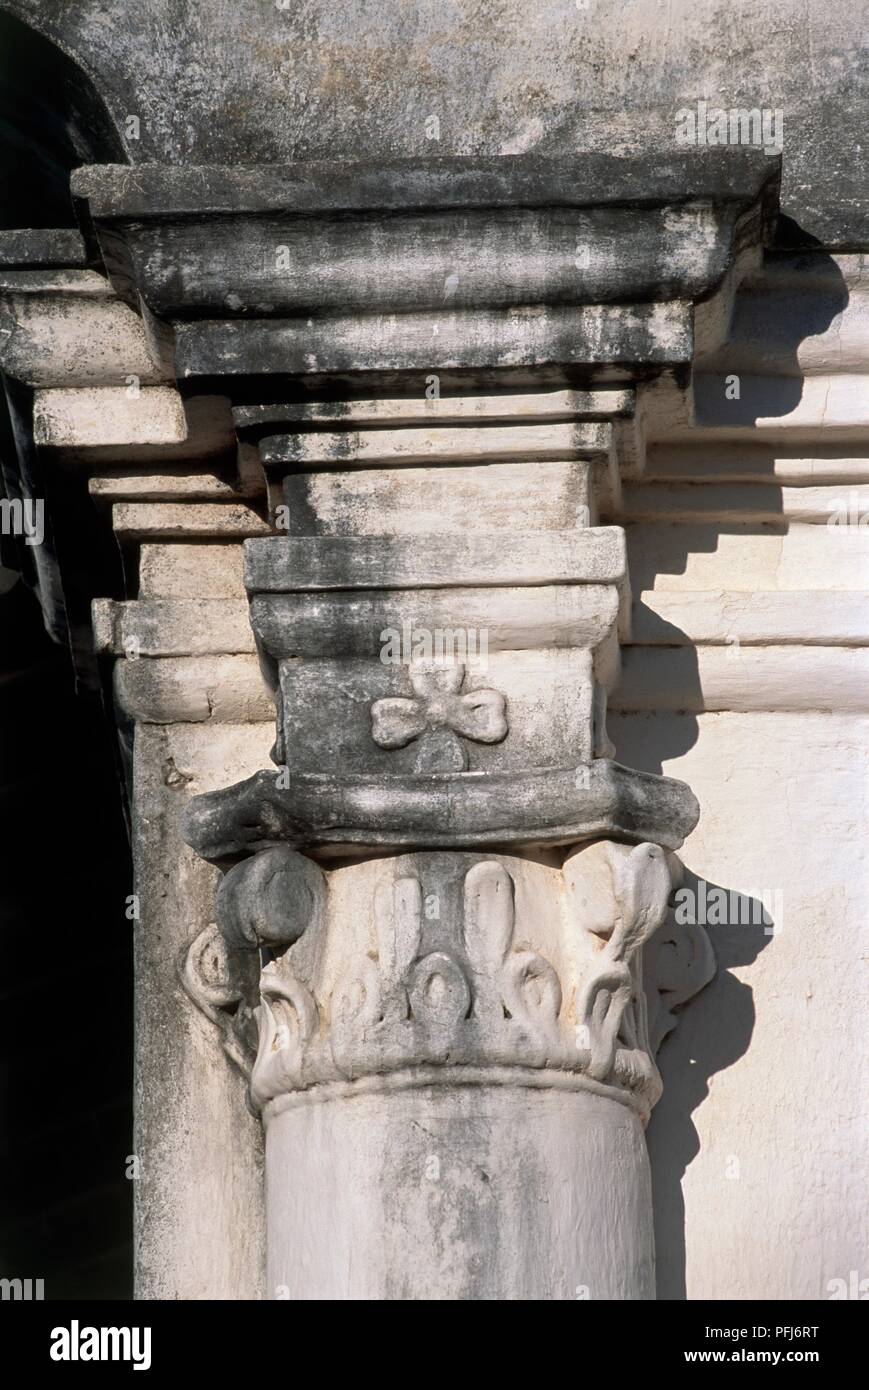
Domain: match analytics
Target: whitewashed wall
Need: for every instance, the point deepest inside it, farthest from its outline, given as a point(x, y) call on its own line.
point(756, 693)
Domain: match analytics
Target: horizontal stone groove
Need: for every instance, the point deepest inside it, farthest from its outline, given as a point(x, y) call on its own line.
point(433, 446)
point(698, 679)
point(446, 410)
point(87, 284)
point(172, 484)
point(752, 463)
point(714, 617)
point(424, 1077)
point(744, 503)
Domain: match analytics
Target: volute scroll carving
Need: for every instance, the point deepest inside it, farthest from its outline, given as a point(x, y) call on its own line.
point(449, 967)
point(264, 902)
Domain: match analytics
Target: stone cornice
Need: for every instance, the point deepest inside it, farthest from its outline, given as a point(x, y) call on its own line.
point(738, 174)
point(442, 264)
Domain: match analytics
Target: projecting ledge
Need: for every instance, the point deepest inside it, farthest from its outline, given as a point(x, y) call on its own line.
point(328, 814)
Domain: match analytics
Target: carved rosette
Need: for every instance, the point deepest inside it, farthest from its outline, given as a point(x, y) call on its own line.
point(436, 714)
point(451, 969)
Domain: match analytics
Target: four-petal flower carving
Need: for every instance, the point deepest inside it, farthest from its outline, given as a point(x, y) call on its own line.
point(478, 714)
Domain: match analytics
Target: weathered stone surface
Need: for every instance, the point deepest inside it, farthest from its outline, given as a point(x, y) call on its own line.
point(366, 1006)
point(781, 406)
point(515, 247)
point(192, 690)
point(70, 281)
point(270, 900)
point(418, 981)
point(784, 559)
point(558, 806)
point(442, 501)
point(447, 445)
point(491, 258)
point(483, 341)
point(673, 618)
point(440, 410)
point(786, 413)
point(799, 315)
point(755, 773)
point(494, 274)
point(751, 463)
point(360, 562)
point(203, 437)
point(366, 1161)
point(744, 504)
point(191, 571)
point(67, 329)
point(521, 709)
point(171, 484)
point(155, 520)
point(42, 247)
point(493, 248)
point(105, 416)
point(507, 973)
point(160, 627)
point(354, 623)
point(367, 84)
point(200, 1212)
point(158, 193)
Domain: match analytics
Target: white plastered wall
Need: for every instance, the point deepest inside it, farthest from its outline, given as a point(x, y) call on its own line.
point(759, 1143)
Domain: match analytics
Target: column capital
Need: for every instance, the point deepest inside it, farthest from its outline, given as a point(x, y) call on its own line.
point(449, 969)
point(437, 370)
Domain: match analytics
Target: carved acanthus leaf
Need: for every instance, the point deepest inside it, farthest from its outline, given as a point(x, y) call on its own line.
point(394, 992)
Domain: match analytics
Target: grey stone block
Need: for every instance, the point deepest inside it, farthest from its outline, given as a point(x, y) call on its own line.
point(332, 814)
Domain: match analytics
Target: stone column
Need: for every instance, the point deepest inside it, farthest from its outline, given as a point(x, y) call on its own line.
point(453, 1059)
point(457, 901)
point(454, 1069)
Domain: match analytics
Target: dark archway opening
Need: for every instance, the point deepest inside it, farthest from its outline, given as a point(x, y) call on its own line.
point(65, 871)
point(51, 120)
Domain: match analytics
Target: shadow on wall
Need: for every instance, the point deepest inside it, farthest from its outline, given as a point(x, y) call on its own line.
point(796, 313)
point(710, 1037)
point(715, 1029)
